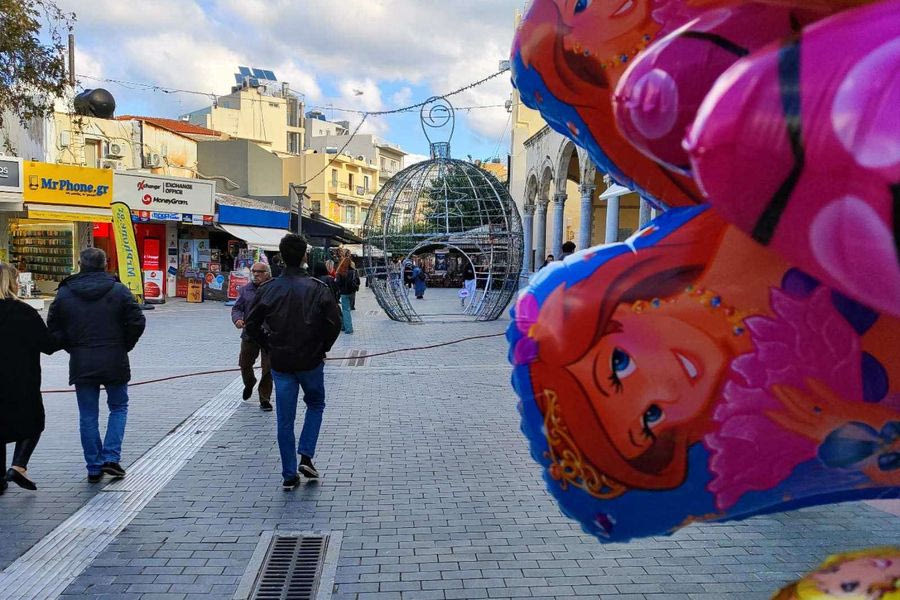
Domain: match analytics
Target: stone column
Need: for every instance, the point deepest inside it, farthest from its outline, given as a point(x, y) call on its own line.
point(644, 215)
point(587, 215)
point(528, 234)
point(540, 232)
point(612, 219)
point(559, 212)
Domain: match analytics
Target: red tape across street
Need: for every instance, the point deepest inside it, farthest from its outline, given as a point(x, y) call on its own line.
point(235, 369)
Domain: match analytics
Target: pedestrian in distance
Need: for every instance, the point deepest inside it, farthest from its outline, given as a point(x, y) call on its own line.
point(547, 261)
point(419, 280)
point(348, 284)
point(97, 321)
point(320, 272)
point(260, 274)
point(357, 281)
point(568, 249)
point(21, 407)
point(408, 274)
point(296, 318)
point(469, 282)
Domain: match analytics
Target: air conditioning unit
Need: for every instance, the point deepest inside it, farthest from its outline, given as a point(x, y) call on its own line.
point(111, 164)
point(154, 160)
point(115, 150)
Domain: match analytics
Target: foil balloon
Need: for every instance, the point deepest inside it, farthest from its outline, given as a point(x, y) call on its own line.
point(566, 59)
point(872, 574)
point(690, 374)
point(658, 95)
point(798, 144)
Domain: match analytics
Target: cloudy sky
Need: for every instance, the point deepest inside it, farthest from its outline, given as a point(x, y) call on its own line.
point(396, 52)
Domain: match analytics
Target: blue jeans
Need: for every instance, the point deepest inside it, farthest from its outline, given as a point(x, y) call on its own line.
point(287, 388)
point(347, 319)
point(110, 450)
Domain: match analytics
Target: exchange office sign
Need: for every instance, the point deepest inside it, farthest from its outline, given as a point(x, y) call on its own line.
point(152, 193)
point(47, 183)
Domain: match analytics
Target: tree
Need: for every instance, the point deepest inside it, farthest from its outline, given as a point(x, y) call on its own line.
point(32, 60)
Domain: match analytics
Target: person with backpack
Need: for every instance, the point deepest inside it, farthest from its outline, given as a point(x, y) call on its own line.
point(348, 284)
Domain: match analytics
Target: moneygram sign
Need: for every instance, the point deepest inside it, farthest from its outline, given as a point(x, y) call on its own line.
point(164, 194)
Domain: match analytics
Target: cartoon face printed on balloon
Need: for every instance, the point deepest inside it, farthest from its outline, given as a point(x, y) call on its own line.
point(800, 147)
point(567, 57)
point(863, 575)
point(658, 388)
point(658, 96)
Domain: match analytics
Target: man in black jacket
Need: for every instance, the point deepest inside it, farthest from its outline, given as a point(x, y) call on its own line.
point(97, 321)
point(296, 318)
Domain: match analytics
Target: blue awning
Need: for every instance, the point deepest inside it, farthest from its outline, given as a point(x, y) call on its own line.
point(253, 217)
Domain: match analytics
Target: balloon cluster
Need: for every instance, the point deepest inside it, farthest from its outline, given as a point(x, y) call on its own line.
point(738, 355)
point(783, 114)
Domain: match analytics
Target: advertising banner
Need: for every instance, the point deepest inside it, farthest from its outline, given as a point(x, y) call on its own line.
point(127, 250)
point(10, 174)
point(165, 195)
point(235, 283)
point(153, 286)
point(65, 184)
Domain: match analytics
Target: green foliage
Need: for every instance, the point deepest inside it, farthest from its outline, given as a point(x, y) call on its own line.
point(32, 61)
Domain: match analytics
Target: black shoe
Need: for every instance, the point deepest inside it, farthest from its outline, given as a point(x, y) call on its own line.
point(20, 480)
point(265, 405)
point(113, 469)
point(92, 478)
point(309, 471)
point(248, 391)
point(289, 484)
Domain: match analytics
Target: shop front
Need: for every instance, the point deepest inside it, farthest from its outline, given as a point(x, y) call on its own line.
point(173, 219)
point(11, 200)
point(62, 206)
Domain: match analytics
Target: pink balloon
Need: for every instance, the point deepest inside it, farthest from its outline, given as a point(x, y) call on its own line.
point(798, 144)
point(658, 96)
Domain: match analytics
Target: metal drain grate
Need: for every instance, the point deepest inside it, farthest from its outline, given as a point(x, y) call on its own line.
point(292, 568)
point(357, 358)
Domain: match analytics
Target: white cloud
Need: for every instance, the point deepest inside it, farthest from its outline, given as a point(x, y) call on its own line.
point(360, 45)
point(411, 159)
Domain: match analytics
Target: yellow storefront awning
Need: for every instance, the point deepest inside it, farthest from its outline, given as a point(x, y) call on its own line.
point(54, 212)
point(258, 237)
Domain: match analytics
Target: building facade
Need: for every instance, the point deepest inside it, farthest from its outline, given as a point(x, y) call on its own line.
point(341, 187)
point(384, 156)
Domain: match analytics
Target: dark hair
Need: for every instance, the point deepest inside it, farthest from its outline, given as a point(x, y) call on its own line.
point(293, 249)
point(568, 247)
point(92, 259)
point(319, 269)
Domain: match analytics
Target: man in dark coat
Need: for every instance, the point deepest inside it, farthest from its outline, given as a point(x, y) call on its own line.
point(97, 321)
point(296, 318)
point(261, 273)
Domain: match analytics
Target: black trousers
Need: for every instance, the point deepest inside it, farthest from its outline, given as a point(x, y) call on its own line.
point(22, 453)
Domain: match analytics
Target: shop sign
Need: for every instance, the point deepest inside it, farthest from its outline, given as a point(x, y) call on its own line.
point(10, 174)
point(195, 290)
point(52, 215)
point(235, 283)
point(164, 194)
point(153, 286)
point(165, 216)
point(127, 250)
point(185, 218)
point(66, 184)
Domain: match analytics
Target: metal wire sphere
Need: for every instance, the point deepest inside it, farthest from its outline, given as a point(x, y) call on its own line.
point(451, 204)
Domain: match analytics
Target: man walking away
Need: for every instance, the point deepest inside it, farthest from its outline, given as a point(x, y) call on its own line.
point(568, 249)
point(296, 318)
point(261, 273)
point(356, 283)
point(97, 321)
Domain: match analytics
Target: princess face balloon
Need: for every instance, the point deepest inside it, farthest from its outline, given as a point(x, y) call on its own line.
point(690, 374)
point(799, 145)
point(862, 575)
point(567, 57)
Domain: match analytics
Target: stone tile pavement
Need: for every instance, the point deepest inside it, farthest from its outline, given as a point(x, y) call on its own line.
point(424, 472)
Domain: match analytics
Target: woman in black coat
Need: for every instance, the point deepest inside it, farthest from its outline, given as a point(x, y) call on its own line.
point(24, 336)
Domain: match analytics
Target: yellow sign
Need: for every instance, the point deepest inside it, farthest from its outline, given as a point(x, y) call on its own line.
point(127, 250)
point(51, 215)
point(66, 184)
